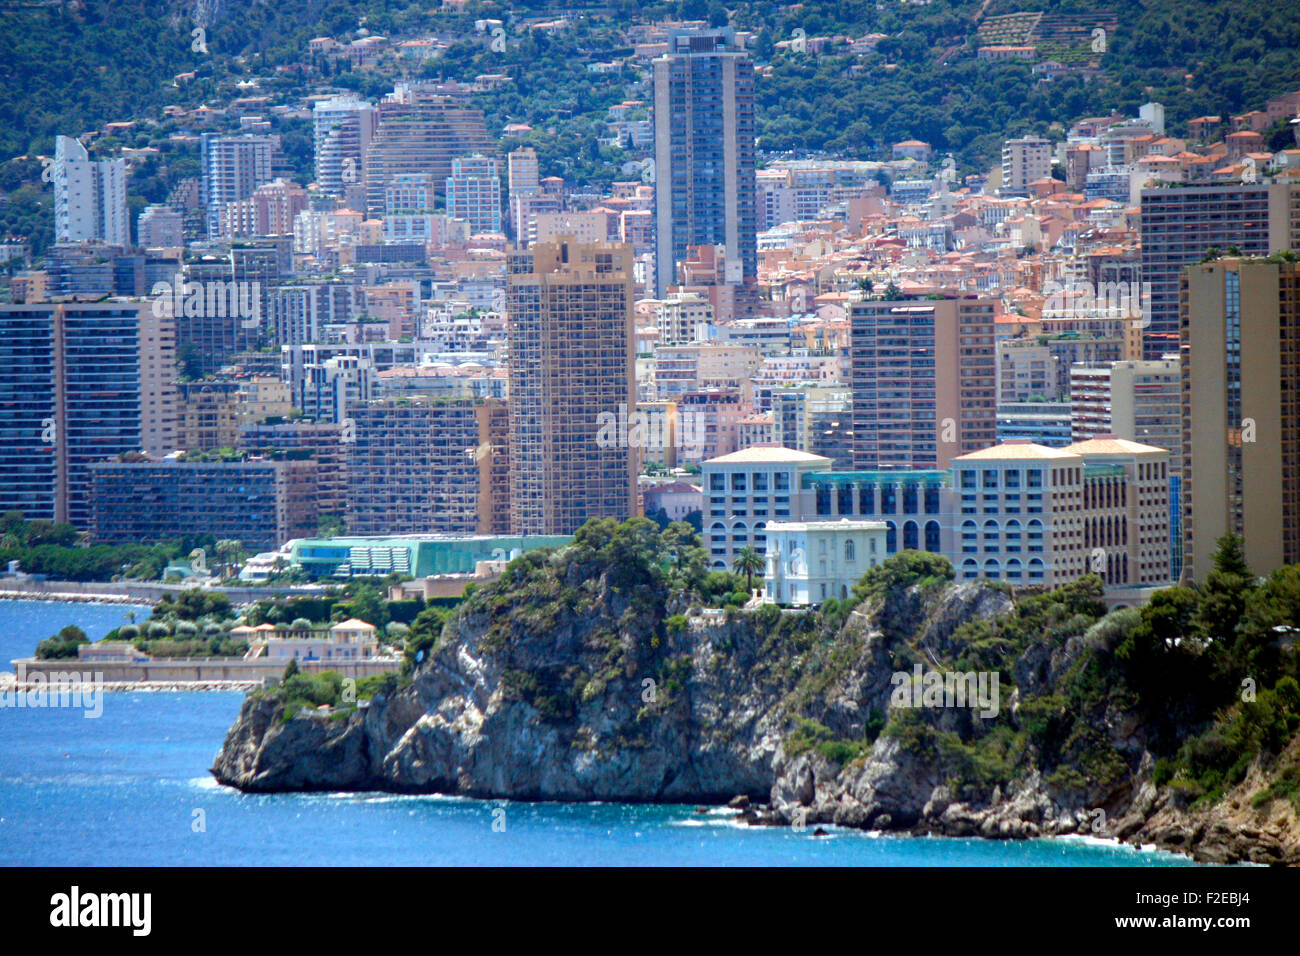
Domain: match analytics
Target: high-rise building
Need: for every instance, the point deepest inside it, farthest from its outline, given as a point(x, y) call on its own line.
point(420, 136)
point(705, 192)
point(1140, 401)
point(474, 192)
point(1241, 411)
point(923, 376)
point(233, 166)
point(523, 172)
point(269, 211)
point(89, 196)
point(572, 362)
point(1181, 224)
point(419, 465)
point(260, 503)
point(323, 440)
point(79, 382)
point(342, 127)
point(1024, 160)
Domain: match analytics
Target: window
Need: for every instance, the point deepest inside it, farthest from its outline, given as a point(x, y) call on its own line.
point(850, 551)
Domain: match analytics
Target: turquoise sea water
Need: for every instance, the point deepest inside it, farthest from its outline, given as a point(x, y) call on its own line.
point(131, 788)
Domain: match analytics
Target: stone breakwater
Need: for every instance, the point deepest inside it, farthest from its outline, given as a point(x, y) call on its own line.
point(74, 597)
point(9, 682)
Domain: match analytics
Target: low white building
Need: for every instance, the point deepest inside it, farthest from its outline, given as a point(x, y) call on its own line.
point(349, 640)
point(811, 561)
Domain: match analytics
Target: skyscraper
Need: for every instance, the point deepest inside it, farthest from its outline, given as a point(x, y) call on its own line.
point(89, 196)
point(1180, 224)
point(923, 376)
point(79, 382)
point(1241, 411)
point(572, 363)
point(233, 166)
point(342, 127)
point(705, 190)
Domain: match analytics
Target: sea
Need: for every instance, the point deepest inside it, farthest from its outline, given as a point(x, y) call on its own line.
point(131, 787)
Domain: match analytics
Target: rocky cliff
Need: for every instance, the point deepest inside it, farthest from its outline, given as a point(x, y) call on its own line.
point(583, 675)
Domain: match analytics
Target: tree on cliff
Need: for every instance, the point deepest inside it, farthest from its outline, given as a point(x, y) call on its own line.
point(1223, 605)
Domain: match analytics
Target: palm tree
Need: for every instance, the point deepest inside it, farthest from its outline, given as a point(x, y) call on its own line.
point(229, 550)
point(748, 562)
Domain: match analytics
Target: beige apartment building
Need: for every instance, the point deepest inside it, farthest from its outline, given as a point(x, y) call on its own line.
point(924, 380)
point(683, 317)
point(687, 368)
point(212, 412)
point(1029, 514)
point(1240, 348)
point(1137, 400)
point(572, 358)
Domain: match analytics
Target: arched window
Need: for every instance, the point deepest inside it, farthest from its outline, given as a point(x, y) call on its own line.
point(932, 542)
point(911, 535)
point(850, 550)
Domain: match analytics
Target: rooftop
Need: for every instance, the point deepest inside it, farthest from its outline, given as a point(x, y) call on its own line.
point(765, 454)
point(1017, 449)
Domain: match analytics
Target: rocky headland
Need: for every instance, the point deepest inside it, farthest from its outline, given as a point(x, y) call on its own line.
point(597, 673)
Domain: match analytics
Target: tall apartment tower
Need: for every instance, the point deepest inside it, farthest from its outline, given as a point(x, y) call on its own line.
point(523, 191)
point(474, 192)
point(523, 175)
point(572, 362)
point(1023, 161)
point(342, 127)
point(1180, 224)
point(420, 135)
point(89, 196)
point(924, 381)
point(80, 382)
point(705, 192)
point(1241, 411)
point(233, 166)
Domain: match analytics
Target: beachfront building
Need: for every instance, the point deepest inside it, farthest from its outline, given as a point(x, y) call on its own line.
point(348, 640)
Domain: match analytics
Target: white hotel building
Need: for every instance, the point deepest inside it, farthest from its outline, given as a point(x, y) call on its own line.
point(1016, 512)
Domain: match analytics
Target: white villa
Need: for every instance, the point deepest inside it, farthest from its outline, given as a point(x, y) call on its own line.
point(811, 561)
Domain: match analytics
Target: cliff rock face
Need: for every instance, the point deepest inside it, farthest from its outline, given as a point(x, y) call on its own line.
point(590, 700)
point(574, 679)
